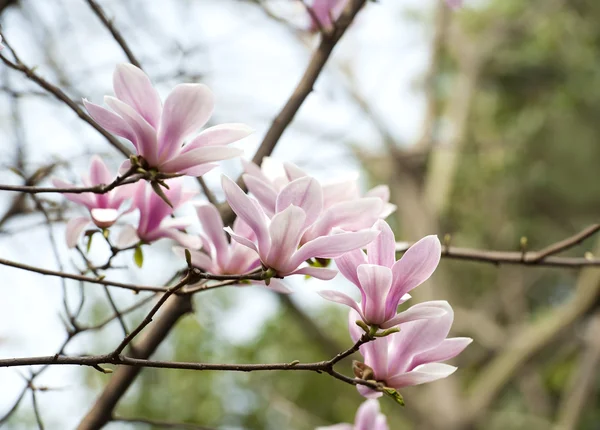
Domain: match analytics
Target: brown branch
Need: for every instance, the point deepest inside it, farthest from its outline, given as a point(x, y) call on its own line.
point(544, 257)
point(115, 33)
point(19, 66)
point(133, 287)
point(96, 189)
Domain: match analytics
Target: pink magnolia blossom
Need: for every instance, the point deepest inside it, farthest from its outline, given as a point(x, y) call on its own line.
point(368, 417)
point(277, 239)
point(324, 11)
point(155, 216)
point(158, 131)
point(221, 257)
point(384, 282)
point(104, 209)
point(411, 356)
point(343, 207)
point(218, 255)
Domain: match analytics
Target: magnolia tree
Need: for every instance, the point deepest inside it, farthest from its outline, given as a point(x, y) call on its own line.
point(277, 221)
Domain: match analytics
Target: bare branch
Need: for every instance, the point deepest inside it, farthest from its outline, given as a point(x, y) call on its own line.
point(160, 424)
point(115, 33)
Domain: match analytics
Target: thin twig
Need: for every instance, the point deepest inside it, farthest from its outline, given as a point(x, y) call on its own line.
point(96, 189)
point(36, 410)
point(544, 257)
point(115, 33)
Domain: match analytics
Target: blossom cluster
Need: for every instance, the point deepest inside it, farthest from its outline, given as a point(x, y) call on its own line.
point(288, 223)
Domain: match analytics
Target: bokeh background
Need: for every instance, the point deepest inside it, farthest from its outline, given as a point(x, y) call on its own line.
point(484, 122)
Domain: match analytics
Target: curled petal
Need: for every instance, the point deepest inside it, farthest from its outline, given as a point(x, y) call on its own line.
point(344, 299)
point(99, 173)
point(264, 193)
point(241, 239)
point(184, 239)
point(212, 224)
point(276, 285)
point(74, 229)
point(449, 348)
point(421, 374)
point(367, 392)
point(127, 237)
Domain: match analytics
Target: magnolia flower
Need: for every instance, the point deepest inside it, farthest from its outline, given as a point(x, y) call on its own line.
point(220, 256)
point(384, 282)
point(342, 205)
point(324, 11)
point(158, 131)
point(368, 417)
point(277, 239)
point(155, 216)
point(104, 208)
point(411, 356)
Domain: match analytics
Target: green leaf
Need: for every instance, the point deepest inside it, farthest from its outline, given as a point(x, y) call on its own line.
point(89, 242)
point(138, 256)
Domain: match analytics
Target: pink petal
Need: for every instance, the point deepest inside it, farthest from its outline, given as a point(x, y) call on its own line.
point(305, 193)
point(212, 224)
point(125, 166)
point(243, 206)
point(241, 239)
point(127, 237)
point(133, 87)
point(382, 250)
point(415, 267)
point(420, 336)
point(354, 315)
point(275, 285)
point(199, 259)
point(104, 218)
point(109, 121)
point(263, 192)
point(198, 170)
point(219, 135)
point(376, 282)
point(86, 199)
point(340, 191)
point(293, 172)
point(449, 348)
point(187, 108)
point(365, 391)
point(417, 312)
point(348, 264)
point(344, 299)
point(366, 415)
point(99, 173)
point(199, 156)
point(316, 272)
point(349, 215)
point(74, 229)
point(422, 374)
point(333, 246)
point(184, 239)
point(285, 231)
point(145, 135)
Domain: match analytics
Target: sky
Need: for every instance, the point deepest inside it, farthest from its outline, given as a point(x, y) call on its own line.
point(252, 63)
